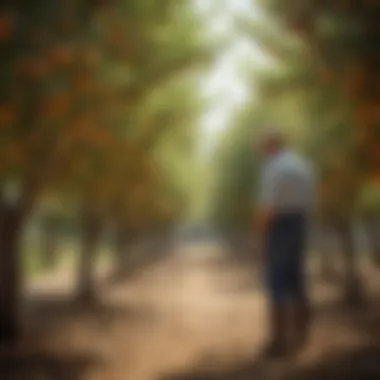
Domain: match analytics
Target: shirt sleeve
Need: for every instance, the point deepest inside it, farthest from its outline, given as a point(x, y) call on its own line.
point(313, 188)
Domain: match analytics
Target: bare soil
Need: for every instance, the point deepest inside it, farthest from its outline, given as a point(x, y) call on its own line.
point(194, 316)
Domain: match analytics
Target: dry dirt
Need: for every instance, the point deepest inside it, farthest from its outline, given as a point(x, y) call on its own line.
point(195, 316)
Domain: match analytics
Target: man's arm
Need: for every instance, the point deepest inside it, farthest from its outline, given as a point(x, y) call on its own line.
point(262, 219)
point(314, 191)
point(265, 205)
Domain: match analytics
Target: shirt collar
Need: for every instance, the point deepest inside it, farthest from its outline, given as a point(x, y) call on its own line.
point(278, 155)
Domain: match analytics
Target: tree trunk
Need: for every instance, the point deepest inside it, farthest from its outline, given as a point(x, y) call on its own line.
point(353, 289)
point(122, 240)
point(91, 228)
point(123, 263)
point(372, 228)
point(10, 273)
point(326, 255)
point(49, 253)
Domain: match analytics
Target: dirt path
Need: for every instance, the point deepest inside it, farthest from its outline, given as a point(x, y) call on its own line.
point(191, 313)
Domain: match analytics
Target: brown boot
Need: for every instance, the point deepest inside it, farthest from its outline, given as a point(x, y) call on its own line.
point(277, 346)
point(301, 324)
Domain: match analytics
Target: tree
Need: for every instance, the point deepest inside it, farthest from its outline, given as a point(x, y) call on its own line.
point(369, 210)
point(37, 52)
point(68, 99)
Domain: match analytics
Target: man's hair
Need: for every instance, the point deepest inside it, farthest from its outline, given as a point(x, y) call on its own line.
point(273, 135)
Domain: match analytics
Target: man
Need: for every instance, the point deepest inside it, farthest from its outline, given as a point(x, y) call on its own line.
point(285, 203)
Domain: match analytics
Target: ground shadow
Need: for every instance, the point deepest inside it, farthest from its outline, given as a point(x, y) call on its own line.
point(45, 314)
point(37, 366)
point(363, 316)
point(247, 371)
point(367, 320)
point(357, 363)
point(133, 266)
point(362, 363)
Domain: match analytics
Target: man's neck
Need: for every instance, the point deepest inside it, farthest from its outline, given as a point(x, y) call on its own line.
point(276, 153)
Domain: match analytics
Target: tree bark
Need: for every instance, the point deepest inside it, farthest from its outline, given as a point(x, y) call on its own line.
point(372, 228)
point(353, 289)
point(10, 274)
point(326, 255)
point(123, 242)
point(91, 228)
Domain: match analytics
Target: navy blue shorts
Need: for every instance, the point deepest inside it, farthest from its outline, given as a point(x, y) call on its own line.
point(285, 272)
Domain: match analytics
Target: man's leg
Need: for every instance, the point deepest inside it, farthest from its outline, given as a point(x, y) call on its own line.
point(277, 288)
point(300, 306)
point(278, 344)
point(302, 322)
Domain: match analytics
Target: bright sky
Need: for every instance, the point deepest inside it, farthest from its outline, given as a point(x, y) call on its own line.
point(224, 84)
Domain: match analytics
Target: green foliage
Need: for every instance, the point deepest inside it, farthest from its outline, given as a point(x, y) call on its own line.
point(369, 200)
point(98, 101)
point(340, 37)
point(234, 175)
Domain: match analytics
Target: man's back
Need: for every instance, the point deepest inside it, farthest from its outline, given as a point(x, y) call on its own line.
point(288, 183)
